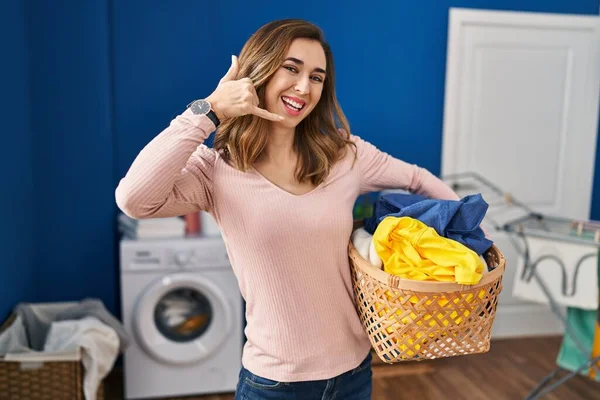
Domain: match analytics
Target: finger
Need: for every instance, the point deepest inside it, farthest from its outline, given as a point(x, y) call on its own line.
point(232, 71)
point(254, 99)
point(260, 112)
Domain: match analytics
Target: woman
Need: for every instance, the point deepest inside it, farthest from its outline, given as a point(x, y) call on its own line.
point(281, 182)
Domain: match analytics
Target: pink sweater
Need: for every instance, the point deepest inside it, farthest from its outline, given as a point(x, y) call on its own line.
point(289, 252)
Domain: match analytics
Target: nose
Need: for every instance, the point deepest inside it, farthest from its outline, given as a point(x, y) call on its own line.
point(302, 85)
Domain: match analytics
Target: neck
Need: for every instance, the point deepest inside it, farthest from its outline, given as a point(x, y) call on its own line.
point(280, 145)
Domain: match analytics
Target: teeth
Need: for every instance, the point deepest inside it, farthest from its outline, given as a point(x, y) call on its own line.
point(292, 103)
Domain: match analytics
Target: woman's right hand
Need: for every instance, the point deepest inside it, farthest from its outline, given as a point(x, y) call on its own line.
point(234, 98)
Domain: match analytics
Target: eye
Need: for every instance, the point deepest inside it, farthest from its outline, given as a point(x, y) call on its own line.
point(317, 78)
point(290, 68)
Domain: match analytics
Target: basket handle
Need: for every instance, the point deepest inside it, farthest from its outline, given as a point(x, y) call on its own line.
point(393, 281)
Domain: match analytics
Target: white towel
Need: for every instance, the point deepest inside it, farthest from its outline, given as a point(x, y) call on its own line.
point(363, 242)
point(99, 342)
point(361, 239)
point(374, 258)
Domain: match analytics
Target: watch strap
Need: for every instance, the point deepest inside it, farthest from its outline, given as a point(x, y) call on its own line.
point(213, 117)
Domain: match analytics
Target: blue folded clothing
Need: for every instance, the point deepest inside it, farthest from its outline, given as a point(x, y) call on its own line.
point(455, 219)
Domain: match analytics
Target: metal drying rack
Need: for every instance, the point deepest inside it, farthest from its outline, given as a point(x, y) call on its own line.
point(507, 214)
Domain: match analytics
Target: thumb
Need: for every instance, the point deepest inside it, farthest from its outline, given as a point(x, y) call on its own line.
point(232, 72)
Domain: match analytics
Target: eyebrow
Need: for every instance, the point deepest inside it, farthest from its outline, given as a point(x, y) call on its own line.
point(300, 62)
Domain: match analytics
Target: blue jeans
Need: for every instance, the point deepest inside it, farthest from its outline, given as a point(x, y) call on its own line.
point(352, 385)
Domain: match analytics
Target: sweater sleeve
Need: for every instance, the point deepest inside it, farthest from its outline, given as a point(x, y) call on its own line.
point(381, 171)
point(172, 175)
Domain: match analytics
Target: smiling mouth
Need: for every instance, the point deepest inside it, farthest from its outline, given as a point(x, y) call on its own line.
point(292, 104)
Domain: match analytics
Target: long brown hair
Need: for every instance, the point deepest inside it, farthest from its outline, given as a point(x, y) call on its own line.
point(318, 141)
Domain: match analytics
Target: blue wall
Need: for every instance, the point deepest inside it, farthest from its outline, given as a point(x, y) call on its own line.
point(73, 150)
point(16, 162)
point(106, 77)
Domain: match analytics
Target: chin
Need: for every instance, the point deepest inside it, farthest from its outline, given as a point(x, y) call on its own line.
point(290, 124)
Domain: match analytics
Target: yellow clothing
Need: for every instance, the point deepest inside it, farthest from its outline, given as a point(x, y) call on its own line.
point(413, 250)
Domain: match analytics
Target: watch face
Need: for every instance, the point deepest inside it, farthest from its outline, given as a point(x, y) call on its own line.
point(200, 107)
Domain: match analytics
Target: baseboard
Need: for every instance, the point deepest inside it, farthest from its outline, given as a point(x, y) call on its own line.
point(521, 320)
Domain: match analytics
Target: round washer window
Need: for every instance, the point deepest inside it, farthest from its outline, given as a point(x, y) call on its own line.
point(183, 314)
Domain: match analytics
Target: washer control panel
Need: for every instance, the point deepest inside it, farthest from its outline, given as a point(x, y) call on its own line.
point(173, 254)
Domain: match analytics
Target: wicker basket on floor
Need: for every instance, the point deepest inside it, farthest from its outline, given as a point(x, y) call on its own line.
point(408, 320)
point(50, 380)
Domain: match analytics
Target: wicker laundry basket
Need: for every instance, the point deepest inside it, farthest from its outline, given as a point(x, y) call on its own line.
point(48, 380)
point(409, 320)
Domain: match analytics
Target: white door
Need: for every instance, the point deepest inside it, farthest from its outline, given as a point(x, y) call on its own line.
point(521, 109)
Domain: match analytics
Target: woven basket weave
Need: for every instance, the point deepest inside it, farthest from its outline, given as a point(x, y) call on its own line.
point(52, 380)
point(408, 320)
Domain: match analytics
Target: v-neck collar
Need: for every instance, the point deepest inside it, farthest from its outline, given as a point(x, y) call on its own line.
point(261, 176)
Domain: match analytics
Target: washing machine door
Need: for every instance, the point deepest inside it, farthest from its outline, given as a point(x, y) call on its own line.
point(182, 318)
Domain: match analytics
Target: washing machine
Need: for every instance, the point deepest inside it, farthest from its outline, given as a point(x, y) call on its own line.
point(182, 307)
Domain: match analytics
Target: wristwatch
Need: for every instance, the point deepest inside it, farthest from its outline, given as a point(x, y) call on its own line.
point(203, 107)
